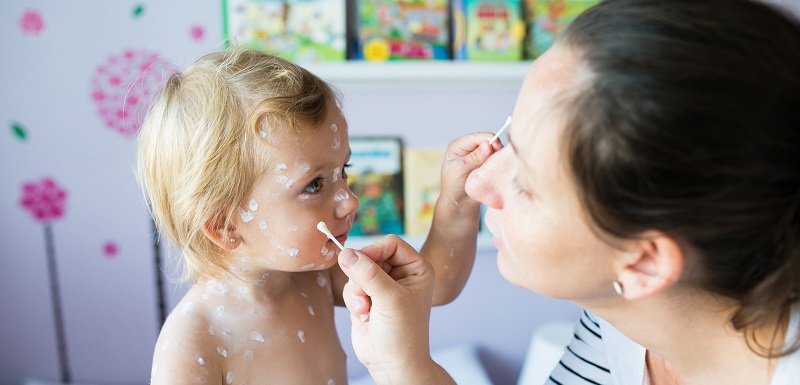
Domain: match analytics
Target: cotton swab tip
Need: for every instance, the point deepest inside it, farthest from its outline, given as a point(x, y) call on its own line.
point(497, 135)
point(324, 229)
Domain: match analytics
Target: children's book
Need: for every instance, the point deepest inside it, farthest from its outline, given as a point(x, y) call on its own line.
point(402, 30)
point(545, 19)
point(297, 30)
point(492, 30)
point(422, 180)
point(376, 177)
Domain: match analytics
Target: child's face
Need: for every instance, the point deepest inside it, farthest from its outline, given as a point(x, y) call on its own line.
point(305, 184)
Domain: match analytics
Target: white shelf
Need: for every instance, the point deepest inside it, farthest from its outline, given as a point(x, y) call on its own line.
point(485, 243)
point(441, 72)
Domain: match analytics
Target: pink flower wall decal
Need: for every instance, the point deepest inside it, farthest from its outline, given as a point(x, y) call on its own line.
point(31, 22)
point(45, 200)
point(123, 88)
point(110, 249)
point(197, 32)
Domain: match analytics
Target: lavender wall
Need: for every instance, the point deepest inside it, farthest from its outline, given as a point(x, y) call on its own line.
point(102, 244)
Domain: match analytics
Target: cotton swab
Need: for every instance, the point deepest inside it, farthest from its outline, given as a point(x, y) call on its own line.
point(324, 228)
point(508, 123)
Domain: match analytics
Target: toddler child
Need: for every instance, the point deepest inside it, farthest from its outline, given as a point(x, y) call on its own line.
point(240, 156)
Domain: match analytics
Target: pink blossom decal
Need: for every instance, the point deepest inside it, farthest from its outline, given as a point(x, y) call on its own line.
point(197, 32)
point(110, 249)
point(44, 200)
point(124, 87)
point(31, 22)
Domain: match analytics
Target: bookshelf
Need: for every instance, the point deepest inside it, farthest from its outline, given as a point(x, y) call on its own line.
point(442, 73)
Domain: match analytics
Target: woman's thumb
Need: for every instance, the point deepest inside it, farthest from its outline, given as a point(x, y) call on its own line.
point(363, 271)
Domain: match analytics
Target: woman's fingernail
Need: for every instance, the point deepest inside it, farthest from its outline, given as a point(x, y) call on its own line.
point(348, 258)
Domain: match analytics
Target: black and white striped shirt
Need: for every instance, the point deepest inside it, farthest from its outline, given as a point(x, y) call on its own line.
point(584, 360)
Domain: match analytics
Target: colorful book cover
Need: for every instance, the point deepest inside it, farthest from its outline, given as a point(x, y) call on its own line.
point(494, 30)
point(403, 30)
point(422, 169)
point(376, 177)
point(545, 19)
point(297, 30)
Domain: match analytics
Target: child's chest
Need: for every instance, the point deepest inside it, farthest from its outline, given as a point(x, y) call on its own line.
point(295, 342)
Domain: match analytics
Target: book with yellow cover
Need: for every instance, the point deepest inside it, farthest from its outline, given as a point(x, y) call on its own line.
point(422, 185)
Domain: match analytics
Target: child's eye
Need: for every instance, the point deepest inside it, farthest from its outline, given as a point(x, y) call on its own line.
point(344, 170)
point(315, 186)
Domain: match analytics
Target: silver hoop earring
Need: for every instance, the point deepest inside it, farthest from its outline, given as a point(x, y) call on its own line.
point(233, 240)
point(617, 287)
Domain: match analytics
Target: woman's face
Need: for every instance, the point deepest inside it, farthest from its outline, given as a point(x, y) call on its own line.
point(305, 183)
point(544, 243)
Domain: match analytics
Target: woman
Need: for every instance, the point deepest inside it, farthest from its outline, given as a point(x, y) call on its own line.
point(652, 176)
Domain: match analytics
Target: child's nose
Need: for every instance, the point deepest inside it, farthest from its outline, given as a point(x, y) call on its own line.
point(347, 203)
point(483, 184)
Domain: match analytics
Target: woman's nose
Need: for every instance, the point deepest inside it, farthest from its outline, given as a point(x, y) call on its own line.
point(483, 184)
point(346, 201)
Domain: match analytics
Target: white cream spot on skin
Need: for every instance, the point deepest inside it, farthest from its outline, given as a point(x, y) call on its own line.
point(201, 361)
point(292, 228)
point(256, 336)
point(226, 335)
point(341, 195)
point(222, 351)
point(330, 255)
point(253, 205)
point(280, 167)
point(303, 166)
point(261, 279)
point(307, 267)
point(336, 144)
point(324, 250)
point(246, 215)
point(304, 294)
point(212, 330)
point(284, 180)
point(229, 377)
point(165, 345)
point(248, 355)
point(262, 225)
point(334, 128)
point(321, 280)
point(293, 252)
point(310, 310)
point(220, 311)
point(336, 173)
point(263, 134)
point(187, 308)
point(301, 335)
point(331, 381)
point(304, 196)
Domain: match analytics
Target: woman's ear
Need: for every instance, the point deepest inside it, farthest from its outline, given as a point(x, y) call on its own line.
point(222, 236)
point(650, 265)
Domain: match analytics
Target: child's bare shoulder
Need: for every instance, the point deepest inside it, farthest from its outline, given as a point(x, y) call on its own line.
point(181, 352)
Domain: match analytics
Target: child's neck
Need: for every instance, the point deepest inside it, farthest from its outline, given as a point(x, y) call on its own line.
point(256, 285)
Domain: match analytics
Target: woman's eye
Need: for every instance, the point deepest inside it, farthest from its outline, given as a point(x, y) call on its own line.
point(344, 170)
point(315, 186)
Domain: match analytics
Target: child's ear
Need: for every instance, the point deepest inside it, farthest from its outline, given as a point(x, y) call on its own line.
point(222, 235)
point(650, 265)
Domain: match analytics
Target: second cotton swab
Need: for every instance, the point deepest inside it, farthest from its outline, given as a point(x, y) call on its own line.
point(497, 135)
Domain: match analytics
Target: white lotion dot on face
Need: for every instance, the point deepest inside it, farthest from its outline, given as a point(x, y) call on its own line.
point(201, 360)
point(262, 225)
point(222, 351)
point(330, 255)
point(324, 250)
point(253, 205)
point(293, 228)
point(304, 196)
point(220, 311)
point(334, 128)
point(336, 173)
point(229, 377)
point(284, 180)
point(212, 330)
point(293, 252)
point(303, 166)
point(256, 336)
point(280, 167)
point(310, 310)
point(263, 133)
point(248, 355)
point(304, 294)
point(307, 267)
point(246, 215)
point(341, 195)
point(336, 144)
point(301, 335)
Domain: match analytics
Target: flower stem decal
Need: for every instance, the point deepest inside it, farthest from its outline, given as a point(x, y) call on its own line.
point(45, 200)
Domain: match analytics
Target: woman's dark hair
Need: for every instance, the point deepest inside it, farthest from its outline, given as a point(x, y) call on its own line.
point(690, 125)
